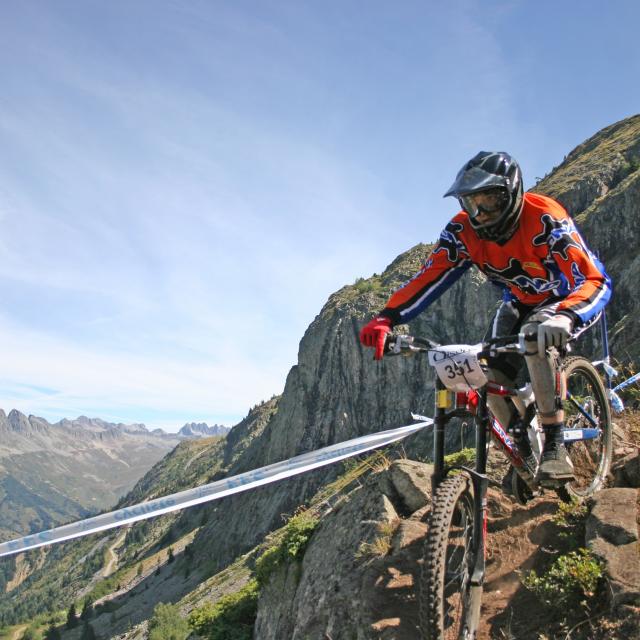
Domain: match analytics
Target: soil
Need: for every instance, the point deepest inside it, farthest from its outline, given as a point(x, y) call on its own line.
point(522, 538)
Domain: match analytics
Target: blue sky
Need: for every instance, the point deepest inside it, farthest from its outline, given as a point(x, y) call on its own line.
point(184, 183)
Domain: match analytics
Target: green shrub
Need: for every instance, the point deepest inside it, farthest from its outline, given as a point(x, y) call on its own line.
point(364, 286)
point(570, 517)
point(571, 579)
point(166, 623)
point(104, 587)
point(231, 618)
point(297, 533)
point(631, 165)
point(32, 633)
point(464, 457)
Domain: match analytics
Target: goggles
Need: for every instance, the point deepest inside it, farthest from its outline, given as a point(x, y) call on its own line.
point(491, 202)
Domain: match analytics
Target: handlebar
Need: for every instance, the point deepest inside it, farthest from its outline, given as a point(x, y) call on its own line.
point(407, 345)
point(400, 344)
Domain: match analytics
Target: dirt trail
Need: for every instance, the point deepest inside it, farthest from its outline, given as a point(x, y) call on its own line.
point(113, 556)
point(520, 539)
point(18, 631)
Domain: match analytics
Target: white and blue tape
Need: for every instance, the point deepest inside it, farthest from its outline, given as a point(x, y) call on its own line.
point(213, 491)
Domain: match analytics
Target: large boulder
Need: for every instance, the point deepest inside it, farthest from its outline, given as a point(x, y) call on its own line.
point(360, 568)
point(612, 535)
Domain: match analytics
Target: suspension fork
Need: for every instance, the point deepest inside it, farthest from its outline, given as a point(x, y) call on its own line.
point(478, 475)
point(480, 486)
point(439, 421)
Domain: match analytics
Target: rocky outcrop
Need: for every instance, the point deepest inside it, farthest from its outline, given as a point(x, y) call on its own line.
point(626, 471)
point(599, 184)
point(337, 392)
point(612, 535)
point(359, 575)
point(360, 567)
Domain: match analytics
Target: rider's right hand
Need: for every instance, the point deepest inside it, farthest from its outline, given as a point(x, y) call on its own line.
point(375, 333)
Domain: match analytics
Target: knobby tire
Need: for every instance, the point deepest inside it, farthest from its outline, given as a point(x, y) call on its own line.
point(445, 582)
point(591, 458)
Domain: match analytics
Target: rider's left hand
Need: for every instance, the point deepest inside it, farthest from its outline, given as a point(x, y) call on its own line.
point(554, 332)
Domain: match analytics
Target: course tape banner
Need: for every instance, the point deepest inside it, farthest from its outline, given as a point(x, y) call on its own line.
point(212, 491)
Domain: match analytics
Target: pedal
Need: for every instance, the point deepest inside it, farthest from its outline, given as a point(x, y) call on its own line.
point(554, 482)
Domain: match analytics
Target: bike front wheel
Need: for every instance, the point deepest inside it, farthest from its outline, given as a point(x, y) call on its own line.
point(449, 607)
point(586, 409)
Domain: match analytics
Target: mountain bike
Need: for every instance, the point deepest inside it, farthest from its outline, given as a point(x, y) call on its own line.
point(453, 572)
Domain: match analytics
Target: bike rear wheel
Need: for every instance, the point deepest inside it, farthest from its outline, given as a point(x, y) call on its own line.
point(591, 458)
point(446, 609)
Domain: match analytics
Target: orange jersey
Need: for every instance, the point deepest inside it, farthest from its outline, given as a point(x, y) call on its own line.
point(545, 260)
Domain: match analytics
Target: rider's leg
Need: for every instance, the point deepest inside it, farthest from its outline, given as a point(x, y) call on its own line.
point(503, 368)
point(547, 384)
point(500, 407)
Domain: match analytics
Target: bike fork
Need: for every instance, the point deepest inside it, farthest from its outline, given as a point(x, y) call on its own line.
point(439, 421)
point(480, 486)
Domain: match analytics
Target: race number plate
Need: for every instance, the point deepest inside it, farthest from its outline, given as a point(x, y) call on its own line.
point(457, 366)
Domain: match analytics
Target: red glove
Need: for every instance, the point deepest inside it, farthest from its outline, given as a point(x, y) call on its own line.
point(374, 335)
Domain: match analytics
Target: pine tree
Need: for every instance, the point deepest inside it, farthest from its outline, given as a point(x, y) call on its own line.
point(87, 610)
point(87, 632)
point(170, 557)
point(72, 617)
point(53, 633)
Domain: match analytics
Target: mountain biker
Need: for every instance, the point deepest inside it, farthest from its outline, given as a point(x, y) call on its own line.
point(551, 283)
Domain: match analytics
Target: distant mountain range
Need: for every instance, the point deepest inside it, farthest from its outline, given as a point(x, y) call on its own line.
point(203, 430)
point(54, 473)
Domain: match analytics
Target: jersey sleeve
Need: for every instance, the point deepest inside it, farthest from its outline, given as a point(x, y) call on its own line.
point(589, 284)
point(444, 266)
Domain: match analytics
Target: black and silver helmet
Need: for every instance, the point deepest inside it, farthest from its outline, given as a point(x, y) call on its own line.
point(495, 172)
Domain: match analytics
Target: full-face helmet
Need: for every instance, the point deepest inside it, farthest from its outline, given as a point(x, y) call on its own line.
point(489, 188)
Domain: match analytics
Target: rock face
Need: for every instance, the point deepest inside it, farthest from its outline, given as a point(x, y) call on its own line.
point(359, 575)
point(347, 585)
point(612, 534)
point(599, 184)
point(627, 471)
point(337, 392)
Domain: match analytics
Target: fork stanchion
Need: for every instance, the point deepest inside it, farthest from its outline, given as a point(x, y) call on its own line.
point(439, 421)
point(480, 487)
